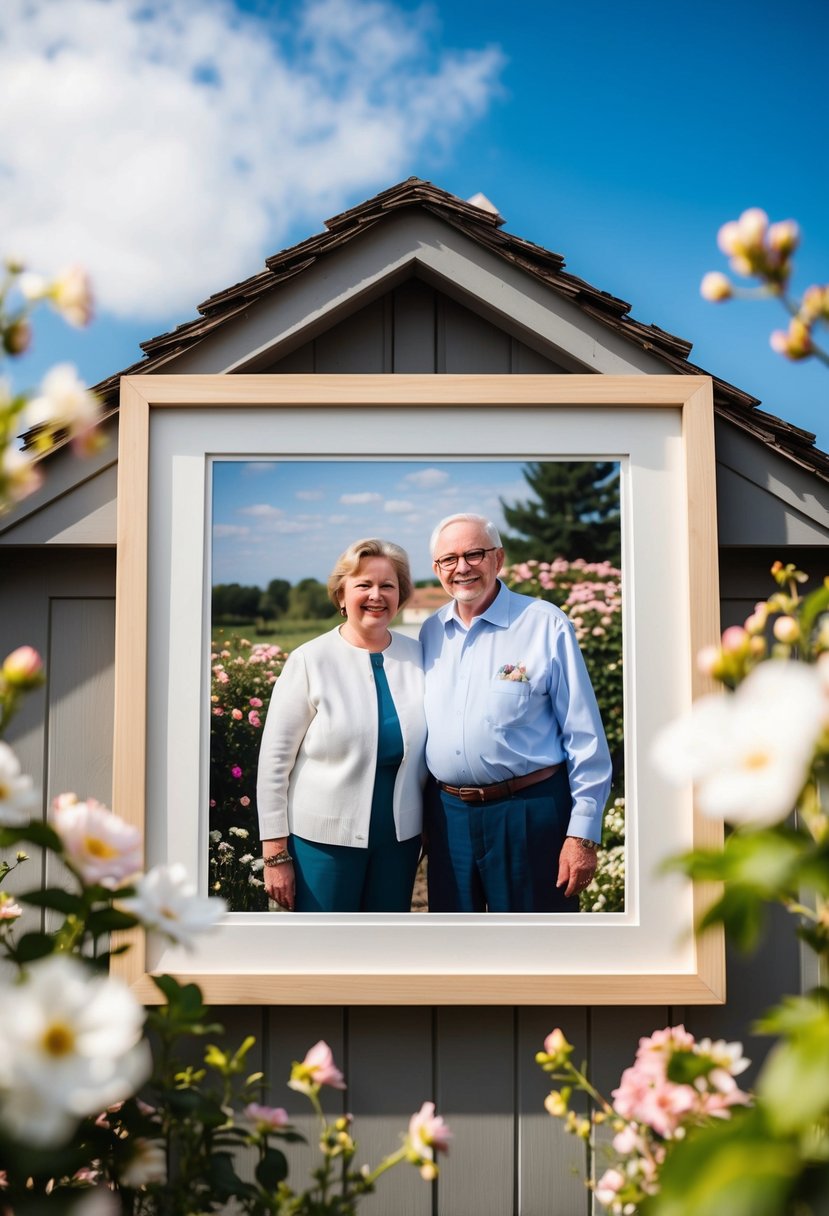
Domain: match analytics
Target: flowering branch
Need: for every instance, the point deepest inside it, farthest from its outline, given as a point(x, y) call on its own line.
point(764, 251)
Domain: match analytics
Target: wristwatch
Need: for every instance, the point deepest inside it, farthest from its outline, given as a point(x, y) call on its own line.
point(591, 845)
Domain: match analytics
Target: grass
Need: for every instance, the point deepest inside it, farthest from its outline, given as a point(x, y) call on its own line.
point(285, 634)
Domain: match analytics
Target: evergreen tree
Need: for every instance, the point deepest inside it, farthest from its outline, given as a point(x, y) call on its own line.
point(575, 513)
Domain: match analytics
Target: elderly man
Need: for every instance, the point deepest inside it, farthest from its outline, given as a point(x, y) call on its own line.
point(516, 743)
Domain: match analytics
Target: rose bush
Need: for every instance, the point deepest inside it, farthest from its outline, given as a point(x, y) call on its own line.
point(243, 675)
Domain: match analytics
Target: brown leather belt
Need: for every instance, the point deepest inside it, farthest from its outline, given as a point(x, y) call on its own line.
point(503, 789)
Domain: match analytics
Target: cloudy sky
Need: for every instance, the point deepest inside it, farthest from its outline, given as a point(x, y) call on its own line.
point(170, 146)
point(292, 519)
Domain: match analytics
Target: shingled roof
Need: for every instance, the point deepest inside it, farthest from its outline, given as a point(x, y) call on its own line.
point(486, 228)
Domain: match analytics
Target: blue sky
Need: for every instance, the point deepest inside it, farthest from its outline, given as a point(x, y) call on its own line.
point(171, 147)
point(292, 519)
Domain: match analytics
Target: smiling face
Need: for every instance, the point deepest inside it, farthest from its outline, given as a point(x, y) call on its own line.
point(473, 587)
point(371, 598)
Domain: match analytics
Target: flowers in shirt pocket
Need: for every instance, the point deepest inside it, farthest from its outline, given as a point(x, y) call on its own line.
point(516, 672)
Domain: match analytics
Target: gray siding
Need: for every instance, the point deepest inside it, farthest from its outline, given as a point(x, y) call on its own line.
point(509, 1156)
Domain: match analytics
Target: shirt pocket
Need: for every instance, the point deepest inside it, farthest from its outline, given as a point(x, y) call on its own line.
point(508, 701)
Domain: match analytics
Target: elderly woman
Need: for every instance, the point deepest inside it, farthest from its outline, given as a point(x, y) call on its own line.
point(341, 767)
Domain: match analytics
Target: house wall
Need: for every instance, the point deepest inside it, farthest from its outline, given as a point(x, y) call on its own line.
point(508, 1155)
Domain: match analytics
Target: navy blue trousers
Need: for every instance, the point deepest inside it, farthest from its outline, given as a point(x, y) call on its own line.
point(499, 856)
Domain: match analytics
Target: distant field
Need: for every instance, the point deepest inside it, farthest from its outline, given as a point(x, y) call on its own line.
point(285, 634)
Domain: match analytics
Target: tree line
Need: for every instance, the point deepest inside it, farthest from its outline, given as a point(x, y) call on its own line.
point(280, 600)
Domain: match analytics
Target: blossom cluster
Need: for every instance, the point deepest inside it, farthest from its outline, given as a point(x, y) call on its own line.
point(675, 1084)
point(236, 871)
point(762, 250)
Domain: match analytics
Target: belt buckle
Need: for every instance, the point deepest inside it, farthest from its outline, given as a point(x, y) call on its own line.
point(471, 793)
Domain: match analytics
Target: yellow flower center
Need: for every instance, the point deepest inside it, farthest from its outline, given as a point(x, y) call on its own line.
point(58, 1039)
point(755, 760)
point(5, 791)
point(96, 847)
point(168, 913)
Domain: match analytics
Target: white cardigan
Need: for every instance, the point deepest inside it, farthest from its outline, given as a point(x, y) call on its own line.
point(319, 744)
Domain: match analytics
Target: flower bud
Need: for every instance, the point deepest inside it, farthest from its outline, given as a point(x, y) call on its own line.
point(17, 337)
point(795, 342)
point(716, 287)
point(783, 237)
point(23, 668)
point(786, 629)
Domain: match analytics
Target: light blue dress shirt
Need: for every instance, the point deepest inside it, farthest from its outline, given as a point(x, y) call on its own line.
point(484, 727)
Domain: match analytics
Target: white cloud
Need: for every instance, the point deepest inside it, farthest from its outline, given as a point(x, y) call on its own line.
point(225, 531)
point(361, 499)
point(169, 146)
point(262, 510)
point(397, 506)
point(427, 479)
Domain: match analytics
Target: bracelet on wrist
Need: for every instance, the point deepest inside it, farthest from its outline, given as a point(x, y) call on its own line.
point(279, 859)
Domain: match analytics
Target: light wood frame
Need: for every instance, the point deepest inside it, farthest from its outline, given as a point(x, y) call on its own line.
point(660, 429)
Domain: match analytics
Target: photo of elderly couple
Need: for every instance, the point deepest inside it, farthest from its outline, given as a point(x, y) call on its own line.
point(459, 759)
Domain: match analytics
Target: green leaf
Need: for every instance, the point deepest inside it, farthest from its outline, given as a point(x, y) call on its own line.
point(35, 833)
point(813, 605)
point(272, 1169)
point(794, 1082)
point(54, 898)
point(109, 920)
point(733, 1168)
point(33, 946)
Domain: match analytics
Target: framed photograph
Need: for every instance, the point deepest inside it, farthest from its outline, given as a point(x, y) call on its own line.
point(255, 484)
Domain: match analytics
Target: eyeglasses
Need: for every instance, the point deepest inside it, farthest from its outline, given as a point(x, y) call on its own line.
point(473, 557)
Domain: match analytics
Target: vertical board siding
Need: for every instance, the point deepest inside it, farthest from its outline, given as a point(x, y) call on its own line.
point(288, 1033)
point(552, 1164)
point(388, 1067)
point(475, 1093)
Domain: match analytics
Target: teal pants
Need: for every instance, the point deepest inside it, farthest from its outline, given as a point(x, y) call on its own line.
point(338, 878)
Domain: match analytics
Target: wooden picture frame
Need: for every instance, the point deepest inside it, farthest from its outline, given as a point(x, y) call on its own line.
point(660, 430)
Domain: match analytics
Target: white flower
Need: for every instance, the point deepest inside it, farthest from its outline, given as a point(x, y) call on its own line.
point(99, 846)
point(166, 901)
point(70, 1045)
point(749, 752)
point(71, 295)
point(19, 475)
point(18, 799)
point(64, 402)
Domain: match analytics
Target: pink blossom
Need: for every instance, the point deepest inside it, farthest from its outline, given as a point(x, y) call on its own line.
point(99, 846)
point(255, 702)
point(237, 715)
point(318, 1068)
point(428, 1134)
point(218, 711)
point(244, 801)
point(608, 1187)
point(254, 719)
point(236, 771)
point(266, 1118)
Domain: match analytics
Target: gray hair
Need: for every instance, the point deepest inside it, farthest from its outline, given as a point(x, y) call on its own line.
point(487, 527)
point(349, 562)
